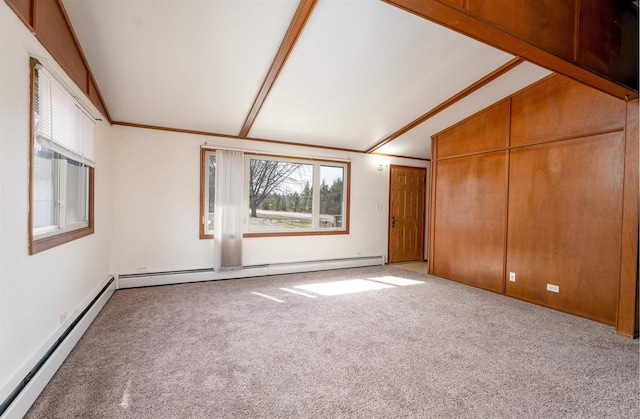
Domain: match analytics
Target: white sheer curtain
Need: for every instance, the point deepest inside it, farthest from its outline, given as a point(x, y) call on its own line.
point(228, 217)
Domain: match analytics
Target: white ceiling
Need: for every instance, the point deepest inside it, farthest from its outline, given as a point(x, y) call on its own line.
point(184, 64)
point(418, 140)
point(360, 70)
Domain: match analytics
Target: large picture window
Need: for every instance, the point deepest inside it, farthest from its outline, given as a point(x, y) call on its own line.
point(283, 196)
point(62, 160)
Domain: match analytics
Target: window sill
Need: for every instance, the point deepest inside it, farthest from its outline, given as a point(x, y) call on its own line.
point(40, 245)
point(285, 234)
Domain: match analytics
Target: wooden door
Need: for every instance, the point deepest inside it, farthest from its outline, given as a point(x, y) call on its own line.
point(406, 213)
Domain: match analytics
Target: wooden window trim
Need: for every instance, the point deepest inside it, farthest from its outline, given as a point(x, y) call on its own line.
point(40, 245)
point(347, 215)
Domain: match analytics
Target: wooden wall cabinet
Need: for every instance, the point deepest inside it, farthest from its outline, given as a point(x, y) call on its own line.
point(545, 185)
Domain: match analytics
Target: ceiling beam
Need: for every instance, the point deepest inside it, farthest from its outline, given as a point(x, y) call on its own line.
point(295, 28)
point(481, 29)
point(453, 99)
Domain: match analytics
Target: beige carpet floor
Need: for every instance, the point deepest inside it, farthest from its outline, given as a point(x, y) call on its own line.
point(371, 344)
point(422, 267)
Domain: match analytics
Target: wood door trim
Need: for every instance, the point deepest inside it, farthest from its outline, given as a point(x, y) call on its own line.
point(506, 205)
point(432, 207)
point(627, 310)
point(305, 7)
point(511, 64)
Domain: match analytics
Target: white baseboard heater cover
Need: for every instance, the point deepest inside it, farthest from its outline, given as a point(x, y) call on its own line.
point(198, 275)
point(28, 390)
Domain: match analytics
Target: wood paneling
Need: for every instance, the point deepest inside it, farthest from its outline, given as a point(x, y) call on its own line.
point(488, 130)
point(24, 10)
point(608, 39)
point(469, 220)
point(570, 207)
point(549, 24)
point(561, 107)
point(49, 22)
point(564, 227)
point(456, 3)
point(534, 33)
point(627, 322)
point(51, 26)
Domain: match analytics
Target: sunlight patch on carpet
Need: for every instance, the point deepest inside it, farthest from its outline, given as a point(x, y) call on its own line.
point(267, 296)
point(298, 293)
point(396, 280)
point(124, 402)
point(349, 286)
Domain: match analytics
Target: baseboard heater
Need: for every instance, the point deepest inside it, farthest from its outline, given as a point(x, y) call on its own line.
point(198, 275)
point(29, 388)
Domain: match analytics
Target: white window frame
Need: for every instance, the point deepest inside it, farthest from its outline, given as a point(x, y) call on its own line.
point(61, 206)
point(207, 233)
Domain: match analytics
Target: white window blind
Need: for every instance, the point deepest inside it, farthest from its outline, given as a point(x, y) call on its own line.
point(42, 105)
point(65, 123)
point(62, 125)
point(88, 139)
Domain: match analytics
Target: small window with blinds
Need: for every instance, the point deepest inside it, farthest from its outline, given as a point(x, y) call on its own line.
point(62, 164)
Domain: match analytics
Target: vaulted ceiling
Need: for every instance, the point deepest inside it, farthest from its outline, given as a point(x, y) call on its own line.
point(357, 75)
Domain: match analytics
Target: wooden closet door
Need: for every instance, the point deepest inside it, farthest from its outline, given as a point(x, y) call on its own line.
point(565, 224)
point(469, 228)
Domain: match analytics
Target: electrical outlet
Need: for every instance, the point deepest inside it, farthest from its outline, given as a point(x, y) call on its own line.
point(512, 276)
point(142, 269)
point(553, 288)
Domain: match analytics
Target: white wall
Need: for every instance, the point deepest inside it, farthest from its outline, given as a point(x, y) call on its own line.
point(157, 197)
point(38, 294)
point(146, 215)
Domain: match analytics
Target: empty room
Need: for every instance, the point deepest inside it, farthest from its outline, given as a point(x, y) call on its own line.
point(319, 208)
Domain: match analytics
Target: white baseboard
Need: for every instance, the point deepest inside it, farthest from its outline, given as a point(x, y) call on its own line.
point(21, 404)
point(167, 278)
